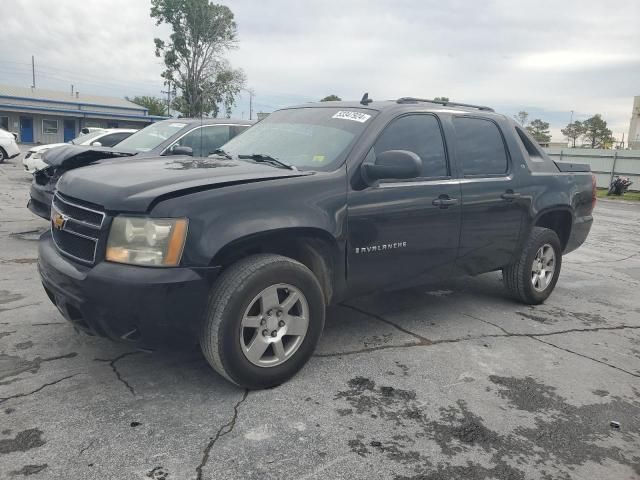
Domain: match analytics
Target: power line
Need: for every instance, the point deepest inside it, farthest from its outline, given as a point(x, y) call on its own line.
point(24, 70)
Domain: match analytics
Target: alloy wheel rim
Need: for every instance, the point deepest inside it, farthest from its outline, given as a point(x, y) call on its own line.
point(543, 267)
point(274, 325)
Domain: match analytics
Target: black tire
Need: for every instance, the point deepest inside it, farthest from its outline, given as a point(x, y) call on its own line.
point(517, 276)
point(228, 301)
point(3, 155)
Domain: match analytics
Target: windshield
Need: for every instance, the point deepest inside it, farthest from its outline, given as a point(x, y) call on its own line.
point(308, 138)
point(151, 136)
point(86, 138)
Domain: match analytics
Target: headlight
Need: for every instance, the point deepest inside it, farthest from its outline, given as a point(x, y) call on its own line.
point(36, 155)
point(147, 241)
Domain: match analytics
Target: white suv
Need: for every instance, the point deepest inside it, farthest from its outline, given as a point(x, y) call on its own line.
point(8, 146)
point(107, 137)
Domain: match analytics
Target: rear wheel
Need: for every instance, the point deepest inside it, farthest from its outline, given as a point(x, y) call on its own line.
point(264, 320)
point(533, 276)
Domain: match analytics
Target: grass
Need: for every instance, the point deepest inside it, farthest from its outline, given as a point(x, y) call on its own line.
point(602, 193)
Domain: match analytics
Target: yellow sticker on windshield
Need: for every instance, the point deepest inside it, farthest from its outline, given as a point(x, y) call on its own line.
point(318, 158)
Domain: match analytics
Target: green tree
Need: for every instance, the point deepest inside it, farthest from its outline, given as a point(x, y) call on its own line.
point(596, 134)
point(155, 105)
point(539, 130)
point(521, 117)
point(194, 56)
point(441, 99)
point(331, 98)
point(573, 131)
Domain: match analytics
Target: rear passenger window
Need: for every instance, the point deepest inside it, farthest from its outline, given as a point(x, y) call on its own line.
point(479, 147)
point(421, 135)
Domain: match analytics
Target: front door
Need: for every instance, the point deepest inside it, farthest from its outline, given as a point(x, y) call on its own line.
point(405, 232)
point(491, 212)
point(69, 130)
point(26, 129)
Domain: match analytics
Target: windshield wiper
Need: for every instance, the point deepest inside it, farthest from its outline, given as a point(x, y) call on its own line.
point(265, 158)
point(222, 153)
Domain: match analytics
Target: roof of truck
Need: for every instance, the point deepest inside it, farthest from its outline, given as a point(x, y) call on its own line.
point(399, 103)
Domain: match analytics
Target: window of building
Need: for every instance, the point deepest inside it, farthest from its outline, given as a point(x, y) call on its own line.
point(479, 147)
point(49, 127)
point(4, 123)
point(421, 135)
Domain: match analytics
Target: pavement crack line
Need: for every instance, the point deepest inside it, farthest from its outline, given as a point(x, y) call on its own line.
point(605, 261)
point(20, 395)
point(488, 323)
point(573, 330)
point(112, 364)
point(222, 431)
point(586, 356)
point(84, 449)
point(423, 340)
point(19, 306)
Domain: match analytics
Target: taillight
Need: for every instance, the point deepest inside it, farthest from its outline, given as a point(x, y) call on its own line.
point(594, 192)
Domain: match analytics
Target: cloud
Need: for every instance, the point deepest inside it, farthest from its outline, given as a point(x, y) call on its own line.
point(549, 57)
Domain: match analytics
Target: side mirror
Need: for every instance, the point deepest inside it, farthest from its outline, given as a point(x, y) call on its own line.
point(96, 144)
point(180, 150)
point(393, 164)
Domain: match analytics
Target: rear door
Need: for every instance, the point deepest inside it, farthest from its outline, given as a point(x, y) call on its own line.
point(403, 232)
point(491, 212)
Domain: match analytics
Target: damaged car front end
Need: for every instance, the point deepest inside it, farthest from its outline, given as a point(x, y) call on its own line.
point(60, 160)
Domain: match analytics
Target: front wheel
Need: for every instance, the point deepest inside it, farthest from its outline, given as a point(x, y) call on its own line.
point(533, 276)
point(3, 155)
point(264, 320)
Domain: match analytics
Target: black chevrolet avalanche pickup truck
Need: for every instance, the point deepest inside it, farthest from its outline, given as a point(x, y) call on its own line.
point(243, 250)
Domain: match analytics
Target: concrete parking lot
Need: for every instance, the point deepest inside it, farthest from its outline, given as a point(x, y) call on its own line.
point(458, 382)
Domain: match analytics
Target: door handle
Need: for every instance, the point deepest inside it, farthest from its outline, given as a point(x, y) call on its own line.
point(510, 195)
point(444, 201)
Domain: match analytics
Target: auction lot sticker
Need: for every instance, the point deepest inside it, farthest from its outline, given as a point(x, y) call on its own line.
point(355, 116)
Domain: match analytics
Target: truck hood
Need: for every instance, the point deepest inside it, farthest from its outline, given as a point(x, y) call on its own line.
point(68, 156)
point(134, 185)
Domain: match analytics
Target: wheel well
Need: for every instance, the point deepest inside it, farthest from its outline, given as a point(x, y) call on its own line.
point(315, 249)
point(559, 221)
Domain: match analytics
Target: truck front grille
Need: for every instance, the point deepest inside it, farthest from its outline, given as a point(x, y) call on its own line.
point(75, 228)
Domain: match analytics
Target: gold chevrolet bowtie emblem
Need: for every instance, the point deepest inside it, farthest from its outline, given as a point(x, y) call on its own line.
point(58, 221)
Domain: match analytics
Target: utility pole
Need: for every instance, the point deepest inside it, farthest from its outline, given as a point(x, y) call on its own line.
point(252, 94)
point(33, 71)
point(168, 92)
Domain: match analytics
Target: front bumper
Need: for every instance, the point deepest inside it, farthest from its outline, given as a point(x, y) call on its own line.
point(41, 198)
point(144, 306)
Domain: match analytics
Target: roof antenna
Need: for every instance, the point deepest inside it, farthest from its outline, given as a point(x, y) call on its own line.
point(365, 99)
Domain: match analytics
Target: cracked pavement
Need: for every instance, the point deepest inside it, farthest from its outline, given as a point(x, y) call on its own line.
point(440, 382)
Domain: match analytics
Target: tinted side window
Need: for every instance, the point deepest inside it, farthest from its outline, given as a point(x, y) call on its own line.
point(238, 129)
point(203, 141)
point(112, 139)
point(479, 147)
point(421, 135)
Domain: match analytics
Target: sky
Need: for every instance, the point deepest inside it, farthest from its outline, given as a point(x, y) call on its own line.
point(545, 57)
